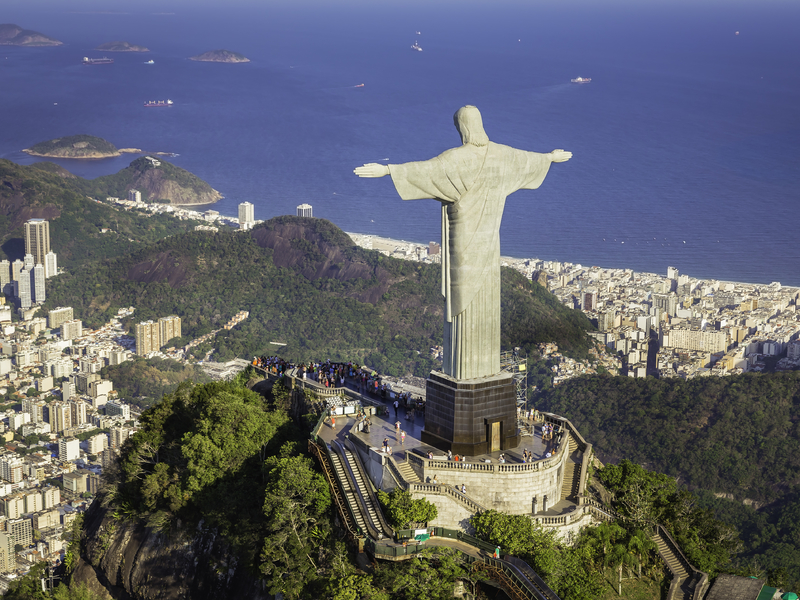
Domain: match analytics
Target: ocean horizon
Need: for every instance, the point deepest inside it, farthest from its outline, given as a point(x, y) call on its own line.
point(686, 144)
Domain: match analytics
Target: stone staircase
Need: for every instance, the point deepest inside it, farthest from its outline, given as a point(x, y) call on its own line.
point(572, 473)
point(684, 581)
point(408, 474)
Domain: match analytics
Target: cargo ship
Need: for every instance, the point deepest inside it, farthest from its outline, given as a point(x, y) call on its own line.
point(581, 80)
point(159, 103)
point(97, 61)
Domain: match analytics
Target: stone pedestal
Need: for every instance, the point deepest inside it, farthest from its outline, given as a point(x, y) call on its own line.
point(470, 416)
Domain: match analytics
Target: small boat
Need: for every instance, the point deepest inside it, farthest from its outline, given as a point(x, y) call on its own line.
point(581, 80)
point(416, 46)
point(359, 85)
point(159, 103)
point(150, 62)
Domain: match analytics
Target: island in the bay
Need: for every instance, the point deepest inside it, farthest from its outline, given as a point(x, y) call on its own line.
point(75, 146)
point(223, 56)
point(156, 179)
point(14, 35)
point(121, 47)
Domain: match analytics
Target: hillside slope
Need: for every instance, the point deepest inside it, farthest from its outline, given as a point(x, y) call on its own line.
point(307, 286)
point(47, 191)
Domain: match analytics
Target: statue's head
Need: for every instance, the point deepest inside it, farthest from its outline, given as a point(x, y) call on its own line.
point(470, 125)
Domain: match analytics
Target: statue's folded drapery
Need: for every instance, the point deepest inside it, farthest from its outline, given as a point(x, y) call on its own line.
point(472, 183)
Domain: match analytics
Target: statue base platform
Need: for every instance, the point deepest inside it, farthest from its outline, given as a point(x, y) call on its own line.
point(470, 416)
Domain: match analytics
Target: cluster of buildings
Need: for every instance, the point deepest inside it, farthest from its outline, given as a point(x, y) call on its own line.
point(25, 279)
point(430, 253)
point(246, 219)
point(61, 424)
point(650, 324)
point(677, 325)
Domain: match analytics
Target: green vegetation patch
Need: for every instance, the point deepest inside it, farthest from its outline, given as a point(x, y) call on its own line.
point(144, 381)
point(81, 230)
point(306, 286)
point(75, 146)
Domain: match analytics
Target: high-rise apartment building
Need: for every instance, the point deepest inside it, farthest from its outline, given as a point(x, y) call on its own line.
point(148, 338)
point(305, 210)
point(35, 408)
point(51, 497)
point(72, 329)
point(50, 264)
point(28, 262)
point(77, 409)
point(168, 328)
point(37, 239)
point(37, 284)
point(59, 416)
point(97, 443)
point(8, 558)
point(246, 215)
point(21, 530)
point(11, 468)
point(24, 292)
point(5, 276)
point(16, 268)
point(134, 196)
point(69, 449)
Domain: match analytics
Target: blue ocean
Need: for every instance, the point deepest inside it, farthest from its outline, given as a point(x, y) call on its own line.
point(686, 142)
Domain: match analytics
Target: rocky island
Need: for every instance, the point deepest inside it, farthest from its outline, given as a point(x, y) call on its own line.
point(121, 47)
point(74, 146)
point(223, 56)
point(14, 35)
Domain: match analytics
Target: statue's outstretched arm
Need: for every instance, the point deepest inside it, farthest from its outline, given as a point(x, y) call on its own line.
point(560, 156)
point(372, 170)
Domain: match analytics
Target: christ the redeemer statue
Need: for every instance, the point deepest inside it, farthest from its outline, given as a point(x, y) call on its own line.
point(472, 182)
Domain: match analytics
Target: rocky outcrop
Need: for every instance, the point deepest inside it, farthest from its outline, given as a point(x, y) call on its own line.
point(121, 47)
point(127, 560)
point(14, 35)
point(223, 56)
point(74, 146)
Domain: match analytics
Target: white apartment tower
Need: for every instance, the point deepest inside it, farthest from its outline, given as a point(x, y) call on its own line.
point(50, 264)
point(71, 329)
point(5, 275)
point(246, 215)
point(134, 196)
point(305, 210)
point(37, 287)
point(24, 292)
point(69, 449)
point(58, 315)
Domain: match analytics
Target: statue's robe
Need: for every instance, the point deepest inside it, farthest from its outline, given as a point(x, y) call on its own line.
point(472, 183)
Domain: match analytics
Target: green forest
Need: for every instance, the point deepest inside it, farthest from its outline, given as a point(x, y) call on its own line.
point(329, 299)
point(729, 440)
point(143, 382)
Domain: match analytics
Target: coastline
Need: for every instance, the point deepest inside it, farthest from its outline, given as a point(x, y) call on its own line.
point(390, 245)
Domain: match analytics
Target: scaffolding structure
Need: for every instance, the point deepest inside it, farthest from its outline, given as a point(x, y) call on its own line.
point(512, 362)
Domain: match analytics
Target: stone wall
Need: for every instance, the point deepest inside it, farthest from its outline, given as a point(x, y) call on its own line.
point(451, 514)
point(510, 488)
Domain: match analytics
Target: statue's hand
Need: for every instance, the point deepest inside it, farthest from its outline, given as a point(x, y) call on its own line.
point(560, 156)
point(371, 170)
